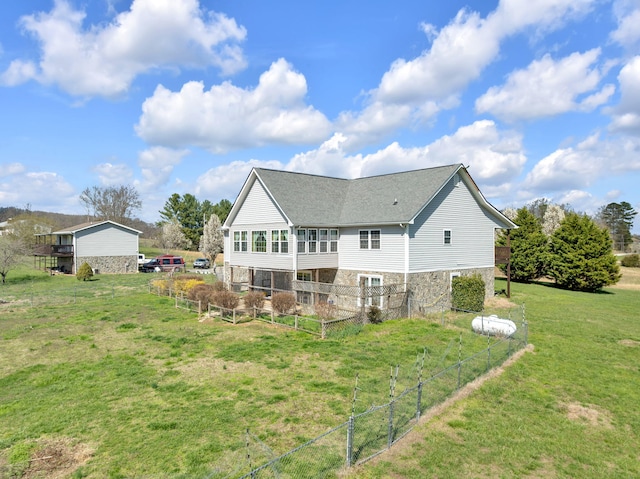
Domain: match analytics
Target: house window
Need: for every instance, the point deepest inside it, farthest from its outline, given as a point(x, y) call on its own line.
point(324, 240)
point(259, 242)
point(333, 239)
point(370, 290)
point(279, 241)
point(313, 240)
point(302, 241)
point(369, 239)
point(240, 241)
point(244, 241)
point(447, 237)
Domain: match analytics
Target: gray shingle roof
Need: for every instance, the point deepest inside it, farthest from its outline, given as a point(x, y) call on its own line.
point(310, 200)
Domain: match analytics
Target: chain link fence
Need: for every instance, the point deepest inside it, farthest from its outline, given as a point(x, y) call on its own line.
point(367, 434)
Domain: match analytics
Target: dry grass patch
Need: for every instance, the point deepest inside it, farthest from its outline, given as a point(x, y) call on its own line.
point(629, 342)
point(56, 459)
point(590, 415)
point(630, 279)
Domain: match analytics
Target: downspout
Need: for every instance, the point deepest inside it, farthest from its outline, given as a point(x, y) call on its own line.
point(406, 255)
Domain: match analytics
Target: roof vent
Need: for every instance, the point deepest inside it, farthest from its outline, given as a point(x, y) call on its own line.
point(395, 201)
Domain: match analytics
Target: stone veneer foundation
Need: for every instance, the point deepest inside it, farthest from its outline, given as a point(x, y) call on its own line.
point(110, 264)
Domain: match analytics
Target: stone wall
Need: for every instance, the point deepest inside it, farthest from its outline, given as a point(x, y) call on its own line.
point(110, 264)
point(431, 291)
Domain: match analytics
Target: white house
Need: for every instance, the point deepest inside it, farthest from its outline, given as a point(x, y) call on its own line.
point(408, 232)
point(107, 246)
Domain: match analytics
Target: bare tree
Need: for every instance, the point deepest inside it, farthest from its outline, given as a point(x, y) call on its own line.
point(12, 249)
point(212, 239)
point(172, 237)
point(116, 203)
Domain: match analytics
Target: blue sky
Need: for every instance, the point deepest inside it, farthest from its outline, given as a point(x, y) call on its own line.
point(538, 98)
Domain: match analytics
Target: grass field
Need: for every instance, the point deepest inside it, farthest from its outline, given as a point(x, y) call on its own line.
point(123, 385)
point(568, 410)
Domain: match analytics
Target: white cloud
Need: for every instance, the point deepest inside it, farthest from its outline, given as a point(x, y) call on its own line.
point(228, 117)
point(225, 181)
point(8, 169)
point(494, 157)
point(41, 190)
point(548, 87)
point(626, 115)
point(157, 164)
point(110, 174)
point(579, 167)
point(103, 60)
point(459, 53)
point(628, 16)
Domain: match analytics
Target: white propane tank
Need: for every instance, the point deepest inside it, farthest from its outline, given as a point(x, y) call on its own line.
point(493, 326)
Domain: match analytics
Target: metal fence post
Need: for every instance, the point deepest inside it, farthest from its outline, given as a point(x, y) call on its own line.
point(419, 402)
point(350, 429)
point(459, 360)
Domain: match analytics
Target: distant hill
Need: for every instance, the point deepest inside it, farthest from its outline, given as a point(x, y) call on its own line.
point(61, 220)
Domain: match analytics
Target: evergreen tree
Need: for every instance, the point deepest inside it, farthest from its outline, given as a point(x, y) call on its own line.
point(84, 272)
point(191, 214)
point(618, 219)
point(528, 247)
point(581, 255)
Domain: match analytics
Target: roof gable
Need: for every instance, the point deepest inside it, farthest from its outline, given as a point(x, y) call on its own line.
point(312, 200)
point(92, 224)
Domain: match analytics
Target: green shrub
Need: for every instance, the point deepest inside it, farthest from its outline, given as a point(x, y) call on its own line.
point(84, 272)
point(283, 302)
point(467, 293)
point(254, 299)
point(374, 314)
point(631, 261)
point(226, 299)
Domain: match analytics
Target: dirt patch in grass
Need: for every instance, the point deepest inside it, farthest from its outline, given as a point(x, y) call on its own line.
point(499, 302)
point(629, 342)
point(588, 414)
point(56, 458)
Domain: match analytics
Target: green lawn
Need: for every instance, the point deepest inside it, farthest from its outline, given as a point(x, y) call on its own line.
point(125, 385)
point(567, 410)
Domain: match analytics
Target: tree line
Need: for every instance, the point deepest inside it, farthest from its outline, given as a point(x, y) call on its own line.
point(573, 249)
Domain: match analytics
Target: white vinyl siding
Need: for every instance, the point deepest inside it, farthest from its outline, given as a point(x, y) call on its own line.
point(106, 240)
point(471, 233)
point(390, 257)
point(258, 208)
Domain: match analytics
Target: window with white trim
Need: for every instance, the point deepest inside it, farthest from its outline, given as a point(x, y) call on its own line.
point(370, 290)
point(312, 241)
point(302, 240)
point(259, 241)
point(333, 240)
point(240, 241)
point(323, 235)
point(279, 241)
point(446, 238)
point(370, 239)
